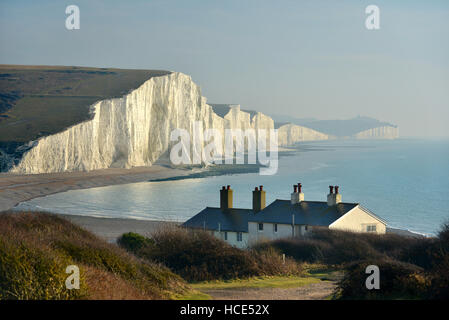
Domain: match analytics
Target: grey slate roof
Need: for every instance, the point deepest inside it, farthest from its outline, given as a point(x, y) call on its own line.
point(230, 220)
point(313, 213)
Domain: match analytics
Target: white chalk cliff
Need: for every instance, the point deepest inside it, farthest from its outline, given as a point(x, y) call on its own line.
point(290, 134)
point(135, 130)
point(384, 132)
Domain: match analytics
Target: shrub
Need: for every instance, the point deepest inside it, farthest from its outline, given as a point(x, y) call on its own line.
point(410, 267)
point(398, 280)
point(440, 266)
point(199, 256)
point(133, 241)
point(304, 250)
point(339, 247)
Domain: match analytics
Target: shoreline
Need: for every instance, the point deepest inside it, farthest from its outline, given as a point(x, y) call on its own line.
point(17, 188)
point(110, 229)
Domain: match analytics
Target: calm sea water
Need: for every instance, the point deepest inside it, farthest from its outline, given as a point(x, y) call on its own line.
point(404, 181)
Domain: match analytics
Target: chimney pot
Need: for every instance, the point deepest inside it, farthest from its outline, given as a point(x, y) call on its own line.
point(295, 188)
point(261, 188)
point(299, 187)
point(229, 187)
point(256, 189)
point(333, 198)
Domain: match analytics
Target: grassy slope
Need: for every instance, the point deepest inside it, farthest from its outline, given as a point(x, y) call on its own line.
point(259, 282)
point(35, 249)
point(41, 100)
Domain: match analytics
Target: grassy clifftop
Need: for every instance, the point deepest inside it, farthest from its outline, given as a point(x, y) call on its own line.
point(37, 101)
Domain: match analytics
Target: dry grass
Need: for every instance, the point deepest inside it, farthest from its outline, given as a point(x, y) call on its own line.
point(35, 249)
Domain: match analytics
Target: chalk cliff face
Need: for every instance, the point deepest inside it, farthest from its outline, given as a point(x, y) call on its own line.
point(289, 134)
point(135, 130)
point(384, 132)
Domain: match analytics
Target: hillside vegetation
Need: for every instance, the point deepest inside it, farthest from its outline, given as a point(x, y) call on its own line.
point(38, 101)
point(36, 248)
point(200, 256)
point(410, 268)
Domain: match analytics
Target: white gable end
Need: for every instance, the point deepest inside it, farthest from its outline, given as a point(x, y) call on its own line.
point(359, 220)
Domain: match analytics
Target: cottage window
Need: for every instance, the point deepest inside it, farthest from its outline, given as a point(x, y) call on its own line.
point(275, 227)
point(371, 228)
point(226, 236)
point(239, 236)
point(260, 226)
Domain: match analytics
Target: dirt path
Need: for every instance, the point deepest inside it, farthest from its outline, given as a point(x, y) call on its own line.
point(314, 291)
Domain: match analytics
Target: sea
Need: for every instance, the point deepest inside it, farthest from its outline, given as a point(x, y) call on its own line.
point(404, 181)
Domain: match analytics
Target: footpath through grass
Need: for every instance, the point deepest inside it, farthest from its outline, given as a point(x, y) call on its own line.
point(312, 274)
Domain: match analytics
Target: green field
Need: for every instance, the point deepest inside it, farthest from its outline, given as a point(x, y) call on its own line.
point(37, 101)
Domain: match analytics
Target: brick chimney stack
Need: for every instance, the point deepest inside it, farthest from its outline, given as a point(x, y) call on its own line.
point(259, 199)
point(333, 198)
point(226, 198)
point(297, 196)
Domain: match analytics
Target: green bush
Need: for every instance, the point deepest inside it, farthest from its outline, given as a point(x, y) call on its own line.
point(133, 241)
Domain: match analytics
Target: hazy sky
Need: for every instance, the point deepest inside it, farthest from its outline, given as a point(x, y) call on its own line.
point(300, 58)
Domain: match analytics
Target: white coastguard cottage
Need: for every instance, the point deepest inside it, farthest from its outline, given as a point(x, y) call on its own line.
point(282, 218)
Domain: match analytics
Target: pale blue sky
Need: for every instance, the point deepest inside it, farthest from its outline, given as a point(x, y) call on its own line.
point(304, 58)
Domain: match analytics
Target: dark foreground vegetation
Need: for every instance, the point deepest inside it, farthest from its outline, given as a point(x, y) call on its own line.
point(36, 248)
point(410, 268)
point(200, 256)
